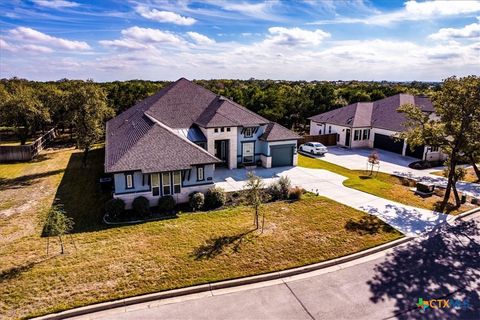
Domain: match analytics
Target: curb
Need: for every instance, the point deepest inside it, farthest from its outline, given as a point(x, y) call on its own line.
point(466, 213)
point(221, 284)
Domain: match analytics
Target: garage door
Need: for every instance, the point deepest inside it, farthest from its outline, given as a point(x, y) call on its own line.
point(416, 153)
point(382, 141)
point(282, 155)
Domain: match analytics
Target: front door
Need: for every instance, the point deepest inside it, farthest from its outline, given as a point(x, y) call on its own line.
point(347, 138)
point(248, 152)
point(221, 150)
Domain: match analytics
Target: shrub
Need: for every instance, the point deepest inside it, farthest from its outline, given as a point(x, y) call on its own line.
point(166, 204)
point(285, 185)
point(274, 191)
point(196, 200)
point(295, 193)
point(215, 198)
point(141, 206)
point(114, 208)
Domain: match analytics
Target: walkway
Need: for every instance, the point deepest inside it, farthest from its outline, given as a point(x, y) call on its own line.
point(392, 163)
point(407, 219)
point(384, 285)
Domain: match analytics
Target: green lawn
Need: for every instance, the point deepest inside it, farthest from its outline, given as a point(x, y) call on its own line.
point(382, 184)
point(196, 248)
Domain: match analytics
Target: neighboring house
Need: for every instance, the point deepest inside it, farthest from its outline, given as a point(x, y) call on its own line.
point(374, 124)
point(171, 143)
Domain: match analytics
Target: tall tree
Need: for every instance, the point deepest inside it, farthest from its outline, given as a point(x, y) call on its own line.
point(89, 103)
point(23, 110)
point(457, 110)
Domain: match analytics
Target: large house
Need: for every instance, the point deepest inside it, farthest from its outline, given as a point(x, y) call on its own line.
point(375, 125)
point(171, 143)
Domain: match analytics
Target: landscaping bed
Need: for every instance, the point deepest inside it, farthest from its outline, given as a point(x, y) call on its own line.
point(383, 185)
point(112, 262)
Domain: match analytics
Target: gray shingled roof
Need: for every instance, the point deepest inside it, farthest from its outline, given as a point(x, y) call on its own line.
point(379, 114)
point(276, 132)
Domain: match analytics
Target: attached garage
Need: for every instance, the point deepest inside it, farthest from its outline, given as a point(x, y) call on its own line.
point(282, 155)
point(417, 152)
point(382, 141)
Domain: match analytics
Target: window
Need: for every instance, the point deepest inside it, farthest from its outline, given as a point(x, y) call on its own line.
point(433, 149)
point(366, 134)
point(228, 129)
point(166, 186)
point(329, 129)
point(145, 179)
point(320, 131)
point(357, 135)
point(338, 137)
point(222, 129)
point(200, 175)
point(129, 180)
point(155, 184)
point(177, 181)
point(202, 144)
point(216, 130)
point(248, 132)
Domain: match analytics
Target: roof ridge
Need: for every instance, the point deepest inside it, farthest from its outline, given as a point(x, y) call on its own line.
point(246, 109)
point(183, 138)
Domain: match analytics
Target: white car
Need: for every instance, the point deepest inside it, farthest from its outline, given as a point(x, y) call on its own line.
point(314, 148)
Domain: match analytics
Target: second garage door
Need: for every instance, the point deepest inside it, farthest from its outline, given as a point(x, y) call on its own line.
point(382, 141)
point(282, 155)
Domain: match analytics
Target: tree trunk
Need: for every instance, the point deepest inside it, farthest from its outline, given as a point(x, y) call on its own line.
point(450, 182)
point(61, 243)
point(85, 155)
point(256, 218)
point(263, 220)
point(457, 197)
point(475, 167)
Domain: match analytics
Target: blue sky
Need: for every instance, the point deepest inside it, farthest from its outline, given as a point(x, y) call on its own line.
point(294, 40)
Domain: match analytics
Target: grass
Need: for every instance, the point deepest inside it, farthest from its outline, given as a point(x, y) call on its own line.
point(117, 262)
point(382, 185)
point(469, 177)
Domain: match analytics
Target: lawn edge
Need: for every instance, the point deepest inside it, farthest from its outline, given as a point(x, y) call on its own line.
point(222, 284)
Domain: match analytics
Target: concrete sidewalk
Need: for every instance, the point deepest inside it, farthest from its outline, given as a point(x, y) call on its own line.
point(409, 220)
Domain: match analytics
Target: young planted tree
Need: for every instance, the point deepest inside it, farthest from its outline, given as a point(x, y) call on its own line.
point(456, 121)
point(57, 225)
point(89, 103)
point(253, 189)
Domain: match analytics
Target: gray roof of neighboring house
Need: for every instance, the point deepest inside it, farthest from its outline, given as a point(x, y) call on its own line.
point(378, 114)
point(276, 132)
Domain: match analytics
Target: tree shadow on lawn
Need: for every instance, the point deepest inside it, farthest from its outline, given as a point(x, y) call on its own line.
point(368, 225)
point(444, 266)
point(26, 180)
point(79, 192)
point(216, 246)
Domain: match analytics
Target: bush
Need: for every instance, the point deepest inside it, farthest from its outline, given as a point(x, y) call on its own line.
point(215, 198)
point(295, 193)
point(279, 189)
point(114, 208)
point(141, 206)
point(166, 204)
point(196, 200)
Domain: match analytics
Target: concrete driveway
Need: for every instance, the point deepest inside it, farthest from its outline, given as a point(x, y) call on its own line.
point(407, 219)
point(392, 163)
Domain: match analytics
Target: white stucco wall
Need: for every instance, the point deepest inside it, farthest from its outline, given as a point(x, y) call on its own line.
point(211, 136)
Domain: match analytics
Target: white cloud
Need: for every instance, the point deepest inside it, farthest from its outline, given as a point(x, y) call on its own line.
point(4, 45)
point(148, 35)
point(164, 16)
point(123, 43)
point(37, 48)
point(295, 36)
point(56, 4)
point(414, 11)
point(200, 38)
point(261, 10)
point(469, 31)
point(28, 34)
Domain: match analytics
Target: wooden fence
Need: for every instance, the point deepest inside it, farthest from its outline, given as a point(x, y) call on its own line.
point(26, 152)
point(325, 139)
